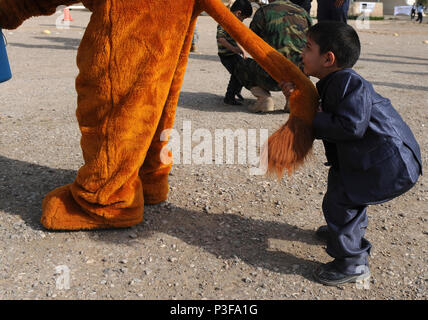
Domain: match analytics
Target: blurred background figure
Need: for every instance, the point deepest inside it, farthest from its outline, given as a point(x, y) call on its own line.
point(413, 12)
point(194, 40)
point(334, 10)
point(420, 10)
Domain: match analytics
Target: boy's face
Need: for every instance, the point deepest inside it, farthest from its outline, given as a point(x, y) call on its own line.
point(316, 64)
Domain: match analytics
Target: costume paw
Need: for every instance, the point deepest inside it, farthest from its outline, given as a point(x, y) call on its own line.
point(61, 212)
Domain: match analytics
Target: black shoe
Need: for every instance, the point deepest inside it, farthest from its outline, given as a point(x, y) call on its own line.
point(232, 101)
point(240, 97)
point(329, 275)
point(322, 233)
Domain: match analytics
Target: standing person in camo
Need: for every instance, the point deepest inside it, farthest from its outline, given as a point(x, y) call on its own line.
point(372, 153)
point(231, 53)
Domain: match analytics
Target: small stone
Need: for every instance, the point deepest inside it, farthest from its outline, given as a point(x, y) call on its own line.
point(90, 261)
point(172, 259)
point(133, 235)
point(295, 267)
point(133, 281)
point(425, 41)
point(123, 261)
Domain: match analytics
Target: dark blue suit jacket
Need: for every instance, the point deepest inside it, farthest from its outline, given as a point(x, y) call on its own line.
point(365, 139)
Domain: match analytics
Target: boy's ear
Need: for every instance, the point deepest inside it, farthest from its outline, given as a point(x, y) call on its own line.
point(330, 59)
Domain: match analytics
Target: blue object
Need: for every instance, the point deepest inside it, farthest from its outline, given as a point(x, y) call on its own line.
point(374, 158)
point(5, 73)
point(374, 150)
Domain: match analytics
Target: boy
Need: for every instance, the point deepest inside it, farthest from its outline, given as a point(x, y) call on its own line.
point(230, 52)
point(373, 155)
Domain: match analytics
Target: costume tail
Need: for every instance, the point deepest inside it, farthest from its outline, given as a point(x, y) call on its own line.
point(288, 147)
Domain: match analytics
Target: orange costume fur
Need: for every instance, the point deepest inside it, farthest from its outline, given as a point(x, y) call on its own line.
point(131, 67)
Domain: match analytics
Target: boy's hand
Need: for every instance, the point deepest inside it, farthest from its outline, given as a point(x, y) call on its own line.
point(287, 88)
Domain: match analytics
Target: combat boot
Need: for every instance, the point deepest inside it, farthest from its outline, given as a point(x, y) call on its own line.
point(264, 101)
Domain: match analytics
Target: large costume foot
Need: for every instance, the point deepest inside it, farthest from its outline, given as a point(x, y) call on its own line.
point(61, 212)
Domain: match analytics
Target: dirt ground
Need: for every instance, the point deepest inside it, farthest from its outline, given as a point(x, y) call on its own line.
point(223, 234)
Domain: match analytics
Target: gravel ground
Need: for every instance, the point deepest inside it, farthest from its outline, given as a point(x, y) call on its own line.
point(223, 234)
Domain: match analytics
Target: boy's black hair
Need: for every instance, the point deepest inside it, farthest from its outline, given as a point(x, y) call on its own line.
point(244, 6)
point(339, 38)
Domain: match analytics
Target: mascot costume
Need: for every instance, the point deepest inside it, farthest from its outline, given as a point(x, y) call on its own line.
point(131, 61)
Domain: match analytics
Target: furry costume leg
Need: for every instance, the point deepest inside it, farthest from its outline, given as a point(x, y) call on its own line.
point(127, 60)
point(154, 173)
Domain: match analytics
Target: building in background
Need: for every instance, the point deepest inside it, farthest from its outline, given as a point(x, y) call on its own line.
point(377, 8)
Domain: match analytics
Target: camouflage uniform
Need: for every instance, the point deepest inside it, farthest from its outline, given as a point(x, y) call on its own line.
point(222, 50)
point(230, 60)
point(283, 25)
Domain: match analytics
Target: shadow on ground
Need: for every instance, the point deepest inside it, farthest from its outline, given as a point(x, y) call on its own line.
point(394, 56)
point(210, 102)
point(399, 86)
point(23, 186)
point(64, 43)
point(206, 57)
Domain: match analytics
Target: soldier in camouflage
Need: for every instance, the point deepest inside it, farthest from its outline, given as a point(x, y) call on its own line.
point(283, 25)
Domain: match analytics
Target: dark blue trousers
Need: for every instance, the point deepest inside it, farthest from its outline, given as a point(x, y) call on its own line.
point(327, 11)
point(347, 223)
